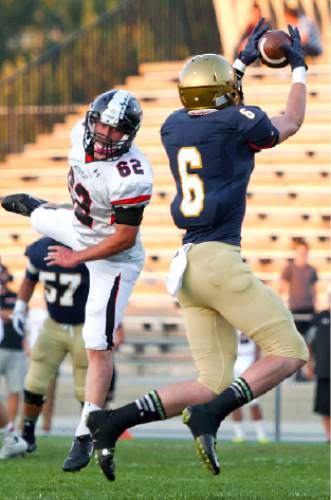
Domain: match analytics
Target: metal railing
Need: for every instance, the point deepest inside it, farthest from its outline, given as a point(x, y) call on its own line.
point(98, 57)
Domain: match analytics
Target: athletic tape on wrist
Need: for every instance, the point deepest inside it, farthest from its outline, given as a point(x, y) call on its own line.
point(299, 75)
point(239, 65)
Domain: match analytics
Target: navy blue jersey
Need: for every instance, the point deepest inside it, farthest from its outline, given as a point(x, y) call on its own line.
point(211, 156)
point(66, 290)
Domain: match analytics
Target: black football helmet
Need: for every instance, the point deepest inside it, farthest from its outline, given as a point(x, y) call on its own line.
point(118, 109)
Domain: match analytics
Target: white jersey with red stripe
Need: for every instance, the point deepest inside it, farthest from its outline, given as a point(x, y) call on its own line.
point(96, 187)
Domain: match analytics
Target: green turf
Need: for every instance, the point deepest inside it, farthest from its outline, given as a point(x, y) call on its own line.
point(150, 469)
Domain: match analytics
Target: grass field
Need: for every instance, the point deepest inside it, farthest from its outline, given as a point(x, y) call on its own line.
point(150, 469)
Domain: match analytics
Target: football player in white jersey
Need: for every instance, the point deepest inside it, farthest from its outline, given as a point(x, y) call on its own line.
point(110, 182)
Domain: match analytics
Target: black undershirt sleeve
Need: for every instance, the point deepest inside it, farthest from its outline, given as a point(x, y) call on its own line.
point(129, 216)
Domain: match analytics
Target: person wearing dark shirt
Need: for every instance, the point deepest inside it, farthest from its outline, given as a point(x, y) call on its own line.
point(298, 280)
point(318, 338)
point(66, 293)
point(12, 355)
point(309, 32)
point(211, 144)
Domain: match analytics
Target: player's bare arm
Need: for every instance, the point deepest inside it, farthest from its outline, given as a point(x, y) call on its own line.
point(26, 290)
point(122, 239)
point(289, 123)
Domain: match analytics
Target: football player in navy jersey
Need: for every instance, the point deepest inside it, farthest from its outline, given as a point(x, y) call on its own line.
point(66, 291)
point(211, 144)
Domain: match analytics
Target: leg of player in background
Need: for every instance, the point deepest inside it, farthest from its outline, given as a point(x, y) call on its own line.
point(3, 416)
point(48, 408)
point(32, 408)
point(47, 354)
point(326, 426)
point(14, 374)
point(111, 390)
point(257, 417)
point(13, 400)
point(239, 435)
point(13, 445)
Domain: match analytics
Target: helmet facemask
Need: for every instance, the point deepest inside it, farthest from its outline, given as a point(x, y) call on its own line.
point(111, 149)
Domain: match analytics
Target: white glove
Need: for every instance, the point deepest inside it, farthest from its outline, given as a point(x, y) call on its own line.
point(19, 316)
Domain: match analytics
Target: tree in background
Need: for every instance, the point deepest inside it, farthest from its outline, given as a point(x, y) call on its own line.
point(29, 28)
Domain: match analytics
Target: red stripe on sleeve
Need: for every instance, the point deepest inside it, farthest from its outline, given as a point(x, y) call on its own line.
point(132, 201)
point(254, 146)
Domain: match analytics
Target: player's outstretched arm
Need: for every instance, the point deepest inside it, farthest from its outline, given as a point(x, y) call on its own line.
point(289, 123)
point(251, 52)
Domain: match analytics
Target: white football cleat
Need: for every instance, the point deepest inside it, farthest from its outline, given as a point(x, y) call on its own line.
point(13, 446)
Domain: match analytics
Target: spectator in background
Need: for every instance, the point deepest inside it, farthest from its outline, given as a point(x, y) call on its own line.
point(255, 16)
point(12, 356)
point(298, 281)
point(318, 339)
point(248, 353)
point(310, 37)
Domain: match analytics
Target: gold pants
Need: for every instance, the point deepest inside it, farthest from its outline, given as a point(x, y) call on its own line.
point(220, 295)
point(52, 345)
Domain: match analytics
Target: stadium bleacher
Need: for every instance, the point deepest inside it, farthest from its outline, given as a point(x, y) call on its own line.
point(288, 197)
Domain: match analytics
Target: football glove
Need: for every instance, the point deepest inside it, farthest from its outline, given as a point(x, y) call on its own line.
point(19, 316)
point(294, 52)
point(250, 53)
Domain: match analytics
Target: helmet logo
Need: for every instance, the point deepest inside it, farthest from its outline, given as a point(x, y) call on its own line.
point(115, 109)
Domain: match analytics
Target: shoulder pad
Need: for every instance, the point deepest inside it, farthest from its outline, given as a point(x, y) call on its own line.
point(77, 131)
point(39, 249)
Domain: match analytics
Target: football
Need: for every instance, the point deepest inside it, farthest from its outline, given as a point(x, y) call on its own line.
point(271, 48)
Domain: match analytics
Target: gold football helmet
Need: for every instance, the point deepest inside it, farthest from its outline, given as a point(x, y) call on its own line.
point(208, 81)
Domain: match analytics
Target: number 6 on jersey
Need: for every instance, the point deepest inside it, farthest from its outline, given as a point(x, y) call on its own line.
point(192, 185)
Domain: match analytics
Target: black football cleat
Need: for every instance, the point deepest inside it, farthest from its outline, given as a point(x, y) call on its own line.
point(80, 454)
point(21, 203)
point(105, 459)
point(104, 428)
point(105, 432)
point(204, 428)
point(31, 443)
